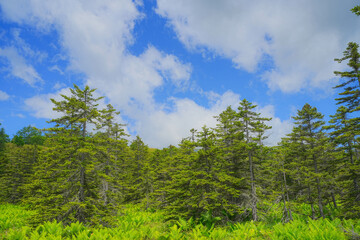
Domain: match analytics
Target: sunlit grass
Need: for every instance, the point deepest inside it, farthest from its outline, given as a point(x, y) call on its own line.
point(134, 222)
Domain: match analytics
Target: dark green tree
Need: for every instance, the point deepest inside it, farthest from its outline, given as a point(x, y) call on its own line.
point(345, 124)
point(4, 139)
point(28, 135)
point(308, 142)
point(112, 153)
point(66, 184)
point(351, 79)
point(253, 127)
point(139, 173)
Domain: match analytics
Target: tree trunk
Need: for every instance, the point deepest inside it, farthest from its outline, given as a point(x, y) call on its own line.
point(287, 196)
point(253, 190)
point(318, 189)
point(333, 199)
point(81, 212)
point(311, 203)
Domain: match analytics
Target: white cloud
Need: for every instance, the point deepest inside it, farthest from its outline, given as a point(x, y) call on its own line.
point(19, 115)
point(301, 37)
point(279, 128)
point(41, 105)
point(95, 35)
point(170, 127)
point(94, 38)
point(168, 65)
point(19, 68)
point(4, 96)
point(24, 49)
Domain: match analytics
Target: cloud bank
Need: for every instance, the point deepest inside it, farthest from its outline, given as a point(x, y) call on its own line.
point(95, 37)
point(298, 39)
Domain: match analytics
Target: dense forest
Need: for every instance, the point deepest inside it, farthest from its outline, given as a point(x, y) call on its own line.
point(82, 169)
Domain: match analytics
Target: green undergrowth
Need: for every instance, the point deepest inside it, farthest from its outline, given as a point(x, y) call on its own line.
point(134, 222)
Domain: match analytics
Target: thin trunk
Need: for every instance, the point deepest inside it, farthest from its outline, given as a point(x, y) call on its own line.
point(333, 199)
point(252, 178)
point(106, 183)
point(253, 190)
point(311, 203)
point(318, 189)
point(287, 196)
point(81, 212)
point(286, 214)
point(356, 185)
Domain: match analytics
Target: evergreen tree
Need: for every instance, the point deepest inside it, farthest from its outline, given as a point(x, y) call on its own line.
point(200, 183)
point(351, 94)
point(17, 165)
point(344, 134)
point(4, 139)
point(275, 168)
point(112, 152)
point(66, 183)
point(140, 175)
point(308, 142)
point(28, 135)
point(346, 124)
point(18, 171)
point(253, 128)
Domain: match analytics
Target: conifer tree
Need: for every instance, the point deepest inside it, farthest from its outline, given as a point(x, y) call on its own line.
point(112, 152)
point(139, 173)
point(275, 168)
point(18, 171)
point(344, 134)
point(346, 124)
point(253, 128)
point(200, 183)
point(351, 79)
point(28, 135)
point(66, 184)
point(308, 141)
point(4, 139)
point(230, 139)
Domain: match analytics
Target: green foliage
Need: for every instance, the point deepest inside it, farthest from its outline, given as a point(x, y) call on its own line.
point(134, 222)
point(345, 127)
point(12, 216)
point(28, 135)
point(4, 138)
point(18, 168)
point(67, 180)
point(209, 187)
point(356, 10)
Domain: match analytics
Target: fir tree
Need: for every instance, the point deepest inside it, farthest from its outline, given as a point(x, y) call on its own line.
point(66, 183)
point(351, 79)
point(346, 124)
point(112, 152)
point(308, 142)
point(253, 128)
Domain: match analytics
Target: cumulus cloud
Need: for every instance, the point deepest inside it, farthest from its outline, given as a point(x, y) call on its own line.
point(41, 105)
point(279, 128)
point(301, 37)
point(94, 39)
point(95, 35)
point(170, 127)
point(19, 68)
point(4, 96)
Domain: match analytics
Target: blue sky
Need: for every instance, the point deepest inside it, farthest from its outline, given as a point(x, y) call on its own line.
point(170, 66)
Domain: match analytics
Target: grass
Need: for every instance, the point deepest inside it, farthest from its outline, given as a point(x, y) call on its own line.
point(134, 222)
